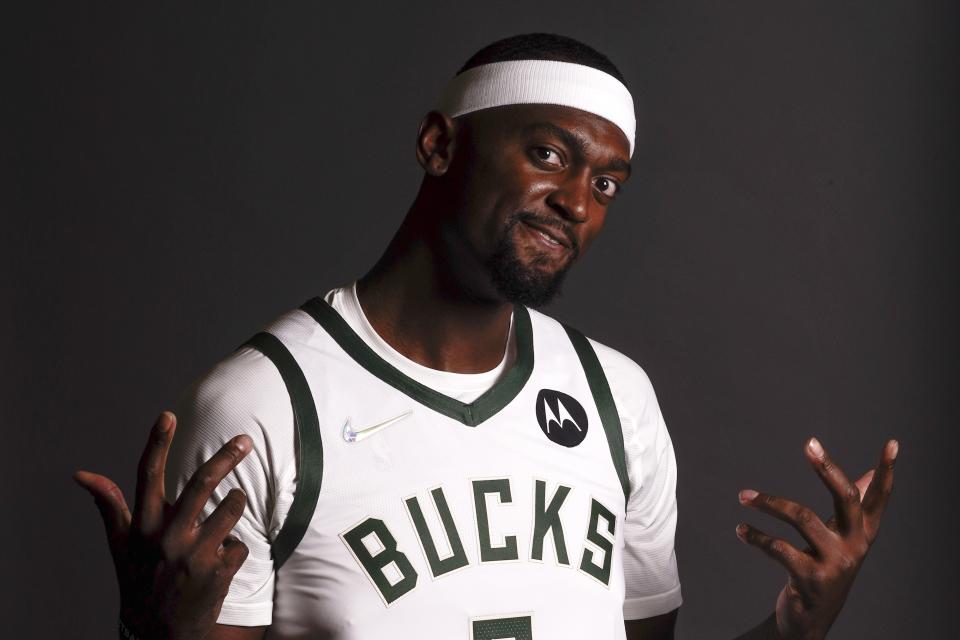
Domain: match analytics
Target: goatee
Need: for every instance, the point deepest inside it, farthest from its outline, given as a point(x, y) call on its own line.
point(521, 283)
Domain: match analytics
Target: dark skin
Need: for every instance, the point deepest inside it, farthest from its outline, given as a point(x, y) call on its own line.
point(173, 571)
point(432, 297)
point(821, 575)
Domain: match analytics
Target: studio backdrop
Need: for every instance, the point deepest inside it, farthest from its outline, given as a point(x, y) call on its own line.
point(781, 263)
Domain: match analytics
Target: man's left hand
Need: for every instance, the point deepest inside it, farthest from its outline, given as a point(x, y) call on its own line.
point(821, 575)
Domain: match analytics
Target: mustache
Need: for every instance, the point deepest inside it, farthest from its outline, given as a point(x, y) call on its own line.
point(550, 222)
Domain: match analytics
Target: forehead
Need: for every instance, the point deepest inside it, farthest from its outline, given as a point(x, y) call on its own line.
point(527, 120)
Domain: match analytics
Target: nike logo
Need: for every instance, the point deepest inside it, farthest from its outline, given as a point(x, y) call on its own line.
point(356, 436)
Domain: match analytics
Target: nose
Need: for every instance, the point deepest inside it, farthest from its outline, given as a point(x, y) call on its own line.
point(571, 197)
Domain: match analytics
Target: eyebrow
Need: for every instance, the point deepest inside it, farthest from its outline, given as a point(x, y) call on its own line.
point(577, 143)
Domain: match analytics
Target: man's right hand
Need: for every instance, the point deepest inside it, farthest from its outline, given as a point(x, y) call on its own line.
point(173, 570)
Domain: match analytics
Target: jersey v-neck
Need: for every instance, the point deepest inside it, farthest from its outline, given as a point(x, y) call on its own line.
point(340, 313)
point(465, 387)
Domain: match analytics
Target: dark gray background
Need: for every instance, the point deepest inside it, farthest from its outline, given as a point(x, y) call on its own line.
point(782, 263)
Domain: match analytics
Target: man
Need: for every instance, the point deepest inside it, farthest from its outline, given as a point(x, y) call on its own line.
point(420, 454)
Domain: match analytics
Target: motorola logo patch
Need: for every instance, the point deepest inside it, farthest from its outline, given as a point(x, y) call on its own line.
point(561, 417)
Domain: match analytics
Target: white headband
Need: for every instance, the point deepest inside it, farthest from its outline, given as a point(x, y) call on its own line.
point(540, 82)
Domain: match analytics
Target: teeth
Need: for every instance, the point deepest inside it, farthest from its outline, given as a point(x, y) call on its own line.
point(547, 238)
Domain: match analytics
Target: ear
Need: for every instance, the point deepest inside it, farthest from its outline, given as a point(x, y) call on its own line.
point(435, 142)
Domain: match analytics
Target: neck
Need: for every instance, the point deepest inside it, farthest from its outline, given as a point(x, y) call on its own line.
point(428, 300)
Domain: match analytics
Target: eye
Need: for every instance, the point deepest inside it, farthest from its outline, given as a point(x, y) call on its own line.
point(608, 187)
point(547, 155)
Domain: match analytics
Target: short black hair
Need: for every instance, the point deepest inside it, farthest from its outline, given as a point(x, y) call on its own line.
point(542, 46)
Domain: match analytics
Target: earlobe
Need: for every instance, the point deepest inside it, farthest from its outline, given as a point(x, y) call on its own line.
point(435, 143)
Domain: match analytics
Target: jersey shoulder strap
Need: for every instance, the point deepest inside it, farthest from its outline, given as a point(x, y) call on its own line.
point(310, 449)
point(603, 398)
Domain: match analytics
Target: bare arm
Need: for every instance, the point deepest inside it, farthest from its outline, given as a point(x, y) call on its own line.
point(655, 628)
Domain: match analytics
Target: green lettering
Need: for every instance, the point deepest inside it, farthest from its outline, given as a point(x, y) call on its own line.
point(457, 557)
point(601, 573)
point(548, 519)
point(373, 564)
point(489, 553)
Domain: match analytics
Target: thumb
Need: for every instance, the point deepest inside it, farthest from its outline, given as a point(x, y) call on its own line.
point(864, 482)
point(109, 500)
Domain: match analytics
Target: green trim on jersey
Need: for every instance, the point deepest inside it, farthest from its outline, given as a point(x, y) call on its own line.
point(603, 398)
point(309, 454)
point(470, 414)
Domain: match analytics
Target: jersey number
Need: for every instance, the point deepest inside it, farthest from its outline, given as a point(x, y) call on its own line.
point(501, 628)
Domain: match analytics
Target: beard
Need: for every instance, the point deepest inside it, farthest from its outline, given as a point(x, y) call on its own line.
point(520, 282)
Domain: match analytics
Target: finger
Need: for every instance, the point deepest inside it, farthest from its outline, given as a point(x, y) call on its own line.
point(802, 518)
point(228, 540)
point(148, 508)
point(878, 493)
point(779, 549)
point(217, 527)
point(109, 500)
point(861, 485)
point(846, 497)
point(205, 480)
point(234, 553)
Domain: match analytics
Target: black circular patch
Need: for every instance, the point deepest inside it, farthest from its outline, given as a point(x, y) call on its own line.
point(561, 417)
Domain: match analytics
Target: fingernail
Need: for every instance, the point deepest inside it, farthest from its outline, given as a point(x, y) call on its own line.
point(242, 444)
point(894, 449)
point(164, 421)
point(747, 495)
point(815, 447)
point(741, 530)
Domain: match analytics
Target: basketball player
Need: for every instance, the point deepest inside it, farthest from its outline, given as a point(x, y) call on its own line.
point(421, 453)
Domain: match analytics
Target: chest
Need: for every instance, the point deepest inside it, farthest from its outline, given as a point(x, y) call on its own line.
point(424, 517)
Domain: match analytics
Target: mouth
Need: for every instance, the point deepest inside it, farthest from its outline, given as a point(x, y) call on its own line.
point(549, 236)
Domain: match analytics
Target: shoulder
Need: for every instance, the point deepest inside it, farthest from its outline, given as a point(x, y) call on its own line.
point(243, 385)
point(624, 374)
point(641, 420)
point(629, 383)
point(648, 448)
point(244, 392)
point(247, 378)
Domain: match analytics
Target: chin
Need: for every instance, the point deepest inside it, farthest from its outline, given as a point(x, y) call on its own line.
point(527, 285)
point(523, 276)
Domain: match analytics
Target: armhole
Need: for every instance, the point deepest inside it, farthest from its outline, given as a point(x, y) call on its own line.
point(606, 407)
point(309, 452)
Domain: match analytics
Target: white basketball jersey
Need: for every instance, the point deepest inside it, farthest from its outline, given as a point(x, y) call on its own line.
point(420, 516)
